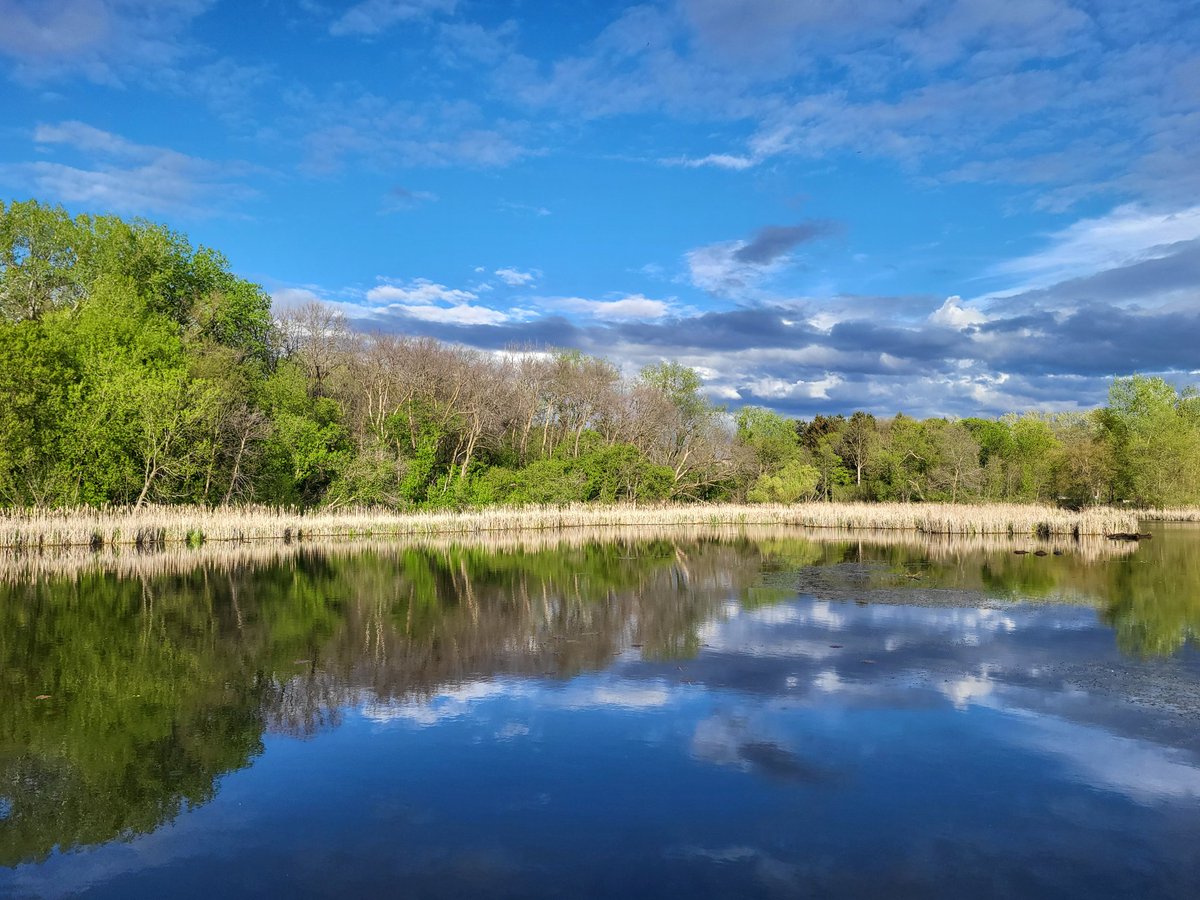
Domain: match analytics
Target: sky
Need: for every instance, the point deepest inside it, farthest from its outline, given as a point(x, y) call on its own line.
point(942, 208)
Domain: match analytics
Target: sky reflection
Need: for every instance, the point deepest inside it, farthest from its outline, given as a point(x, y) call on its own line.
point(665, 738)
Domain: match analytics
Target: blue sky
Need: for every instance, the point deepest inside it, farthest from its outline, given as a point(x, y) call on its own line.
point(936, 207)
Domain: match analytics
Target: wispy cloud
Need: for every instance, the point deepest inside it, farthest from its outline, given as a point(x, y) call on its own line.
point(524, 208)
point(955, 90)
point(347, 123)
point(104, 40)
point(123, 176)
point(1128, 234)
point(400, 198)
point(715, 160)
point(516, 278)
point(373, 17)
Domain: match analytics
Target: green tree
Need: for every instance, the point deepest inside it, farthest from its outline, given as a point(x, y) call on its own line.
point(1151, 429)
point(769, 436)
point(795, 481)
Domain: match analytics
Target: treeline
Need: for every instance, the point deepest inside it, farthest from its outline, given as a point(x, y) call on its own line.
point(136, 368)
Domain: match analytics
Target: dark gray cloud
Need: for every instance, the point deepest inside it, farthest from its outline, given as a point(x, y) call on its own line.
point(1029, 360)
point(759, 326)
point(551, 331)
point(920, 343)
point(1054, 347)
point(1101, 339)
point(773, 241)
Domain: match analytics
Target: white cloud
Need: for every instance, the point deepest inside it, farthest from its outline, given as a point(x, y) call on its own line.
point(715, 268)
point(634, 306)
point(953, 314)
point(961, 89)
point(456, 315)
point(428, 301)
point(782, 389)
point(102, 39)
point(626, 696)
point(1127, 234)
point(82, 136)
point(1139, 769)
point(966, 690)
point(451, 703)
point(126, 177)
point(714, 160)
point(418, 291)
point(516, 278)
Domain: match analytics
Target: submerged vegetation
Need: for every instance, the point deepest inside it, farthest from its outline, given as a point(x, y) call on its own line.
point(136, 369)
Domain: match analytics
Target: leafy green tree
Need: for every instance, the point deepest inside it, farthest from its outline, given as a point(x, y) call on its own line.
point(810, 433)
point(1151, 429)
point(35, 379)
point(769, 436)
point(956, 473)
point(900, 468)
point(794, 481)
point(42, 261)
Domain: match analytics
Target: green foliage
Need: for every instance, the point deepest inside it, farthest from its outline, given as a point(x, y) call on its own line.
point(137, 368)
point(681, 385)
point(769, 436)
point(794, 481)
point(607, 474)
point(1151, 429)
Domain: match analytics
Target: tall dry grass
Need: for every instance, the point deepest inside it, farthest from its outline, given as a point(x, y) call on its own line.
point(220, 557)
point(182, 525)
point(1171, 514)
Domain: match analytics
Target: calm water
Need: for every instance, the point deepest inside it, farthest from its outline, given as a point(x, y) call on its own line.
point(760, 717)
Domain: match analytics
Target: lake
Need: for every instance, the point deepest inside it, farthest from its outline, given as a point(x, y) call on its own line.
point(687, 713)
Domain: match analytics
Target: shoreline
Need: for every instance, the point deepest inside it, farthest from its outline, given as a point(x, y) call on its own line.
point(217, 556)
point(161, 526)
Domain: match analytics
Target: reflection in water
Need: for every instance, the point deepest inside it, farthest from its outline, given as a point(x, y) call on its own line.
point(132, 686)
point(125, 698)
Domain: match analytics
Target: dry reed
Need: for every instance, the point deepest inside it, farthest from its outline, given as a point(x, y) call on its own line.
point(191, 525)
point(178, 559)
point(1172, 514)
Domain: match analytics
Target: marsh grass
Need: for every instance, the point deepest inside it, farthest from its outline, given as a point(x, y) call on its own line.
point(223, 557)
point(191, 525)
point(1171, 514)
point(162, 526)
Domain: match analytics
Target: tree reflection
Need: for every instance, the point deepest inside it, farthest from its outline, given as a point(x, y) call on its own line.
point(124, 699)
point(124, 696)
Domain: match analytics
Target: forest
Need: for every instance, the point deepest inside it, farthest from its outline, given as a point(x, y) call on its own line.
point(136, 368)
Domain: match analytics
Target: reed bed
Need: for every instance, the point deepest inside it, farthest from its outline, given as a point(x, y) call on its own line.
point(218, 557)
point(159, 526)
point(1171, 514)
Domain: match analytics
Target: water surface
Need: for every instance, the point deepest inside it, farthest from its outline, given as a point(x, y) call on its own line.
point(758, 714)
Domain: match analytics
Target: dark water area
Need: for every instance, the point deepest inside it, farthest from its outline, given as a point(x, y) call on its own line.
point(756, 715)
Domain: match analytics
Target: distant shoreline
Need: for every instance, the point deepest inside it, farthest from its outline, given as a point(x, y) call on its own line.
point(158, 526)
